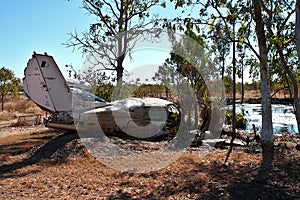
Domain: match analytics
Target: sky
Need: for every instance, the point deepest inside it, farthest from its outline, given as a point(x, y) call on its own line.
point(41, 26)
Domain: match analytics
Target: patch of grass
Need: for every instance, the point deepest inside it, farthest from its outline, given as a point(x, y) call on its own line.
point(17, 106)
point(5, 115)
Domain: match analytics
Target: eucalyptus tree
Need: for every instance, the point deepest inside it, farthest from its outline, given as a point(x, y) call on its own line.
point(267, 128)
point(274, 30)
point(117, 23)
point(250, 32)
point(190, 69)
point(9, 84)
point(281, 36)
point(297, 25)
point(221, 46)
point(297, 30)
point(241, 63)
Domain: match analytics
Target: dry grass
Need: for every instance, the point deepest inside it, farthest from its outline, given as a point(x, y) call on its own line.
point(6, 115)
point(257, 94)
point(195, 175)
point(27, 171)
point(17, 106)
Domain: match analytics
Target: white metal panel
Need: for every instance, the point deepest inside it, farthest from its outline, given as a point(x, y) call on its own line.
point(58, 89)
point(45, 84)
point(34, 85)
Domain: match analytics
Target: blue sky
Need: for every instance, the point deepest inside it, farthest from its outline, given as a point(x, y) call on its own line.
point(41, 26)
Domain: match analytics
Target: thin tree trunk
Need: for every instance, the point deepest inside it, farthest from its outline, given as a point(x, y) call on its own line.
point(243, 90)
point(267, 128)
point(297, 29)
point(2, 102)
point(223, 68)
point(295, 87)
point(286, 68)
point(296, 99)
point(120, 69)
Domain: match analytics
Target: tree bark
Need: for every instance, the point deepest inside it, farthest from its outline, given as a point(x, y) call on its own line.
point(267, 128)
point(286, 68)
point(2, 102)
point(296, 99)
point(243, 90)
point(297, 28)
point(295, 87)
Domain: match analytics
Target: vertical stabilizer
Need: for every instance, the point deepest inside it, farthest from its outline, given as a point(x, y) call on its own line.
point(45, 84)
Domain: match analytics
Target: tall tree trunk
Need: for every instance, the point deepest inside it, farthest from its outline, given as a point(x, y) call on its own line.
point(234, 86)
point(223, 68)
point(243, 90)
point(286, 68)
point(118, 90)
point(2, 102)
point(297, 25)
point(223, 71)
point(267, 128)
point(295, 86)
point(120, 70)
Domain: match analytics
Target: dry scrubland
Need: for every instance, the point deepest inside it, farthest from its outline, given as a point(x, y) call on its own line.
point(41, 163)
point(17, 106)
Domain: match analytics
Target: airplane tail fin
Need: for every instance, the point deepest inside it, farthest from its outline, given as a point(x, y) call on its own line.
point(45, 84)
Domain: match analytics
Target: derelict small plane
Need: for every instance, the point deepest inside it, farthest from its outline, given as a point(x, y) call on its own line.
point(138, 117)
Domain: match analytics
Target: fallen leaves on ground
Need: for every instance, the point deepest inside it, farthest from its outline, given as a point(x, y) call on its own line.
point(26, 172)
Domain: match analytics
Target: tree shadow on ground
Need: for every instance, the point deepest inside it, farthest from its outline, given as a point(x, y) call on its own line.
point(43, 152)
point(268, 181)
point(217, 181)
point(274, 179)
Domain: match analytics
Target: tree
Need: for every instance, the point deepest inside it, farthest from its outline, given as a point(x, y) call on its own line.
point(192, 76)
point(9, 84)
point(297, 30)
point(248, 33)
point(222, 47)
point(107, 42)
point(240, 69)
point(297, 25)
point(267, 130)
point(281, 39)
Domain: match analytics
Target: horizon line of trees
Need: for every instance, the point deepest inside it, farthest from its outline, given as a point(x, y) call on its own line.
point(234, 35)
point(255, 33)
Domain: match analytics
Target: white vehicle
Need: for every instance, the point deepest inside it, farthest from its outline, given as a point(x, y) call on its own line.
point(73, 108)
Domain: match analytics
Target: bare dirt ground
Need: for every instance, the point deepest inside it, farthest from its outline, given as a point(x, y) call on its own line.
point(41, 163)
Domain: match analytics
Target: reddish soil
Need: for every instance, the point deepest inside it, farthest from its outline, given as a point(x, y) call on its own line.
point(41, 163)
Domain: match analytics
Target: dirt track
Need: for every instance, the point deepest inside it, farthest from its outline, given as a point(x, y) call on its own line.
point(39, 163)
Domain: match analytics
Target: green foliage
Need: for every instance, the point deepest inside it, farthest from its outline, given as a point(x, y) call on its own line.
point(116, 23)
point(228, 84)
point(9, 84)
point(240, 120)
point(189, 61)
point(206, 98)
point(105, 91)
point(216, 21)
